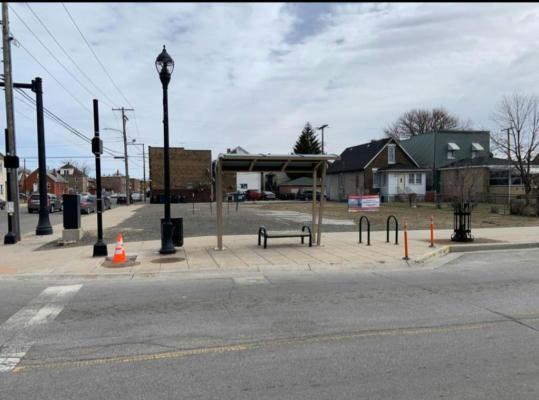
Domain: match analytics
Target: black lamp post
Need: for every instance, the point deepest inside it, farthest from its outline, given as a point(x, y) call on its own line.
point(165, 65)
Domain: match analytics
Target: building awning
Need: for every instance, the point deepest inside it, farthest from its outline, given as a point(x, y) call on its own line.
point(452, 146)
point(477, 147)
point(273, 162)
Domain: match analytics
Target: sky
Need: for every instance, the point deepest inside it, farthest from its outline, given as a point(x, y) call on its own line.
point(252, 75)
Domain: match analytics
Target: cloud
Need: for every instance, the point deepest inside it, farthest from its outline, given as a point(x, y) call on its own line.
point(253, 74)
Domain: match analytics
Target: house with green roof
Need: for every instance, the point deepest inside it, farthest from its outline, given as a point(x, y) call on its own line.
point(435, 150)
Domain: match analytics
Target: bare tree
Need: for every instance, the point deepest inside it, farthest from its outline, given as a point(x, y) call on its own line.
point(520, 114)
point(418, 121)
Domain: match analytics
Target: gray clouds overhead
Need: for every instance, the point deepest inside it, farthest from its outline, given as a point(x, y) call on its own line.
point(253, 74)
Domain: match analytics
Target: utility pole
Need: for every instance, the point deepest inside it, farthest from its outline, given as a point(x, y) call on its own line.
point(124, 120)
point(321, 128)
point(10, 120)
point(509, 167)
point(143, 168)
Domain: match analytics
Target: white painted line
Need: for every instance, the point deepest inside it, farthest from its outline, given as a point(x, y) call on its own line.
point(16, 334)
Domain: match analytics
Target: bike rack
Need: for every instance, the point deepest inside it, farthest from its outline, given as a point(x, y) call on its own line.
point(396, 229)
point(368, 230)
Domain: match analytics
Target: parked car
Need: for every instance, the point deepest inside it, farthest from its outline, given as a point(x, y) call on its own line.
point(53, 203)
point(107, 202)
point(253, 194)
point(88, 204)
point(235, 196)
point(121, 198)
point(267, 195)
point(307, 194)
point(136, 197)
point(2, 204)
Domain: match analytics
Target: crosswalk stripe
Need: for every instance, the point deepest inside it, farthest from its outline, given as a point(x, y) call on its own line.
point(18, 332)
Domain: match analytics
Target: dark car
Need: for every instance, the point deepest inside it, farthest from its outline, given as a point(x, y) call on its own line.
point(88, 204)
point(2, 204)
point(307, 194)
point(53, 203)
point(235, 196)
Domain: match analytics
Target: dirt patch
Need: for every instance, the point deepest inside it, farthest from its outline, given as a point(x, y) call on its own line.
point(417, 217)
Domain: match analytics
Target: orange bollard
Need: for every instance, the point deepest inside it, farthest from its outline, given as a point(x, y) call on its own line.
point(405, 240)
point(431, 231)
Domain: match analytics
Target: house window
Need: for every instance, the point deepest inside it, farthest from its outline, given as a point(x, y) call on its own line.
point(452, 150)
point(243, 186)
point(418, 178)
point(411, 178)
point(48, 186)
point(391, 154)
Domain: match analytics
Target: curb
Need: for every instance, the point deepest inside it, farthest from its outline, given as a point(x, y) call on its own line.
point(475, 247)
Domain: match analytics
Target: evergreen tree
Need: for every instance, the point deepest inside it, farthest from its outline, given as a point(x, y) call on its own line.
point(307, 142)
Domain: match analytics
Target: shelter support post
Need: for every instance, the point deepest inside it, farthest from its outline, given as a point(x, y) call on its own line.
point(219, 203)
point(321, 204)
point(314, 203)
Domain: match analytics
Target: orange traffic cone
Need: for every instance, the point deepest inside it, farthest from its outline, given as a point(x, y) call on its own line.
point(119, 253)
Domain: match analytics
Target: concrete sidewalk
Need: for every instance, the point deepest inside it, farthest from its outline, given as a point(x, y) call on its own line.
point(338, 251)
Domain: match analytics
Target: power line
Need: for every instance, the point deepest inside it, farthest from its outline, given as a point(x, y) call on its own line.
point(62, 123)
point(68, 56)
point(51, 53)
point(50, 73)
point(95, 55)
point(53, 77)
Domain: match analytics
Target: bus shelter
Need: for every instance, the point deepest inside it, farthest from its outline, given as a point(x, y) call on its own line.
point(298, 163)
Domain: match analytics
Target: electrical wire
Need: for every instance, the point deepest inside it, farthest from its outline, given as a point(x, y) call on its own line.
point(51, 53)
point(110, 102)
point(95, 55)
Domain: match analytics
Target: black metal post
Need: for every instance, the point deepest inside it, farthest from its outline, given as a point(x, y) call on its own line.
point(100, 248)
point(44, 225)
point(10, 237)
point(167, 247)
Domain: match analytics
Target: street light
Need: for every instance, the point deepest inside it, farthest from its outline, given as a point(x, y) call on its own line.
point(165, 65)
point(321, 128)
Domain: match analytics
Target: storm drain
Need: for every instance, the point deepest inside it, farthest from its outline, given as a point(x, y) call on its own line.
point(131, 260)
point(167, 260)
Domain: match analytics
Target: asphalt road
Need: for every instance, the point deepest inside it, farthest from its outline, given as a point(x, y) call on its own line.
point(28, 221)
point(467, 329)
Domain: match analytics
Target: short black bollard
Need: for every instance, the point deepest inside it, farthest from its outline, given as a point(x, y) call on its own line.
point(368, 230)
point(396, 229)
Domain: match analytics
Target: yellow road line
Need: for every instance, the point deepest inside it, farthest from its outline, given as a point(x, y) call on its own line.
point(255, 346)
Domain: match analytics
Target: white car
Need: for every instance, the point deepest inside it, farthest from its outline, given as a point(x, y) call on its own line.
point(136, 196)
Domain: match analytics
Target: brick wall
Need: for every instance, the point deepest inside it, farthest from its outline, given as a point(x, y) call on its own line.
point(188, 172)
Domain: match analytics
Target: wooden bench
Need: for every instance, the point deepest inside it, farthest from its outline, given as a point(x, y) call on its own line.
point(263, 232)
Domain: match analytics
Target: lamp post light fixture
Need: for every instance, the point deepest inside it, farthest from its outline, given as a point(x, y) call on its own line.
point(165, 65)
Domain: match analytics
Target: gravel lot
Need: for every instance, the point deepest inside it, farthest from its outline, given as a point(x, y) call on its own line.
point(145, 222)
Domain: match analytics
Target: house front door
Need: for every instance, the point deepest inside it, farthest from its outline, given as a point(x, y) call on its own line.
point(400, 186)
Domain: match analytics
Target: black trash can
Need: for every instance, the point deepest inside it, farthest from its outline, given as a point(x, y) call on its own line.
point(177, 233)
point(71, 211)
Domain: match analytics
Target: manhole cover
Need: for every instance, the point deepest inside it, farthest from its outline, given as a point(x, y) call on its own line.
point(167, 260)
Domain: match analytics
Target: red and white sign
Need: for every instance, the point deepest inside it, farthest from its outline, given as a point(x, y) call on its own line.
point(364, 203)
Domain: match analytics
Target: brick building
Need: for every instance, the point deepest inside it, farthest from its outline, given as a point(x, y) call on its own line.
point(190, 173)
point(76, 179)
point(113, 183)
point(378, 167)
point(56, 184)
